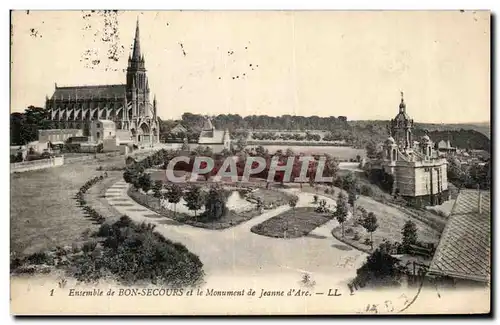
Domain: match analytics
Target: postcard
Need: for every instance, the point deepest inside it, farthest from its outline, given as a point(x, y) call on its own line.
point(250, 162)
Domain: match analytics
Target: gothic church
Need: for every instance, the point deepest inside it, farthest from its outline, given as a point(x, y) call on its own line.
point(127, 105)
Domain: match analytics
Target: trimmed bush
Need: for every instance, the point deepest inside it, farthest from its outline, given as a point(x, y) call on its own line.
point(136, 253)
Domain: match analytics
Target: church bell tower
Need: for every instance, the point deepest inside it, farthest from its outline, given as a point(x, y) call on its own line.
point(137, 80)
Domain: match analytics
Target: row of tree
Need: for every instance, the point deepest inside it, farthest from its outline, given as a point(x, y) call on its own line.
point(308, 136)
point(24, 126)
point(284, 122)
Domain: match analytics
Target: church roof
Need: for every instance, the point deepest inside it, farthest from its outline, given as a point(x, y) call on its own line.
point(464, 249)
point(402, 116)
point(90, 92)
point(207, 125)
point(211, 137)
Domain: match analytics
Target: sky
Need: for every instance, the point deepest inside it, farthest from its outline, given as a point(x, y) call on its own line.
point(324, 63)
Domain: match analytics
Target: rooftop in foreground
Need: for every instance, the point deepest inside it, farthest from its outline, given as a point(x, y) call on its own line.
point(464, 249)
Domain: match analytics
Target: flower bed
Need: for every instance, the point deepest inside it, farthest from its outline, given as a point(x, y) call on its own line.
point(296, 223)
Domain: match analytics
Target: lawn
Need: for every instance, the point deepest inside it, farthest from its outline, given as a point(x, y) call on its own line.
point(298, 222)
point(390, 220)
point(43, 212)
point(231, 219)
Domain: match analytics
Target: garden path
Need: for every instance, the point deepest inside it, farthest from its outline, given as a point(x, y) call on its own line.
point(237, 251)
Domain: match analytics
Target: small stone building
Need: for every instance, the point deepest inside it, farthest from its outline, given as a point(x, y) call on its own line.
point(217, 140)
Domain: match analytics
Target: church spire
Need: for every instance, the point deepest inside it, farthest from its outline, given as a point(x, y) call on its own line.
point(136, 54)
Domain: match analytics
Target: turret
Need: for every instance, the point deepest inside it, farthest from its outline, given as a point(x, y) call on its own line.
point(426, 146)
point(125, 108)
point(154, 108)
point(390, 152)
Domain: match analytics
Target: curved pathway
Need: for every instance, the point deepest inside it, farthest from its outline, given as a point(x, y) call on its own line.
point(238, 251)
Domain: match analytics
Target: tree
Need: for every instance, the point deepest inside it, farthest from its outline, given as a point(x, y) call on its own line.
point(380, 267)
point(24, 126)
point(145, 182)
point(157, 187)
point(371, 149)
point(292, 203)
point(342, 210)
point(353, 195)
point(260, 205)
point(215, 203)
point(331, 166)
point(456, 174)
point(194, 199)
point(174, 195)
point(349, 181)
point(289, 152)
point(409, 233)
point(260, 151)
point(370, 224)
point(241, 144)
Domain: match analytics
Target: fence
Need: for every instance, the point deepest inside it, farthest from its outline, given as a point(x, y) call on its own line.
point(36, 164)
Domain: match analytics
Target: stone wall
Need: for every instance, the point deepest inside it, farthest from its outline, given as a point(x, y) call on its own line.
point(36, 164)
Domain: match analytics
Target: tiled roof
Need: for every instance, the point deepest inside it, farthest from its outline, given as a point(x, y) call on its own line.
point(178, 129)
point(88, 92)
point(464, 249)
point(211, 137)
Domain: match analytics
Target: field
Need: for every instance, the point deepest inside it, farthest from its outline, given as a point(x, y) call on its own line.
point(342, 153)
point(296, 223)
point(43, 213)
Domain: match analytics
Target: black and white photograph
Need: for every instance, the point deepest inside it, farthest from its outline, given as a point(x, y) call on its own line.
point(272, 162)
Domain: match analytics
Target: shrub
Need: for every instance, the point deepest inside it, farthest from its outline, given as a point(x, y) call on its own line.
point(105, 230)
point(89, 246)
point(366, 190)
point(135, 252)
point(15, 262)
point(367, 242)
point(40, 258)
point(379, 268)
point(356, 236)
point(349, 231)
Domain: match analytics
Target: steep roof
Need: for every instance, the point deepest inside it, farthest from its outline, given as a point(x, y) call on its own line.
point(179, 128)
point(207, 124)
point(90, 92)
point(211, 137)
point(464, 249)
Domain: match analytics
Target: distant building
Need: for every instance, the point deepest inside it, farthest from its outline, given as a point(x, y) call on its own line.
point(445, 147)
point(480, 154)
point(58, 136)
point(464, 251)
point(128, 105)
point(101, 130)
point(104, 132)
point(217, 140)
point(419, 175)
point(178, 129)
